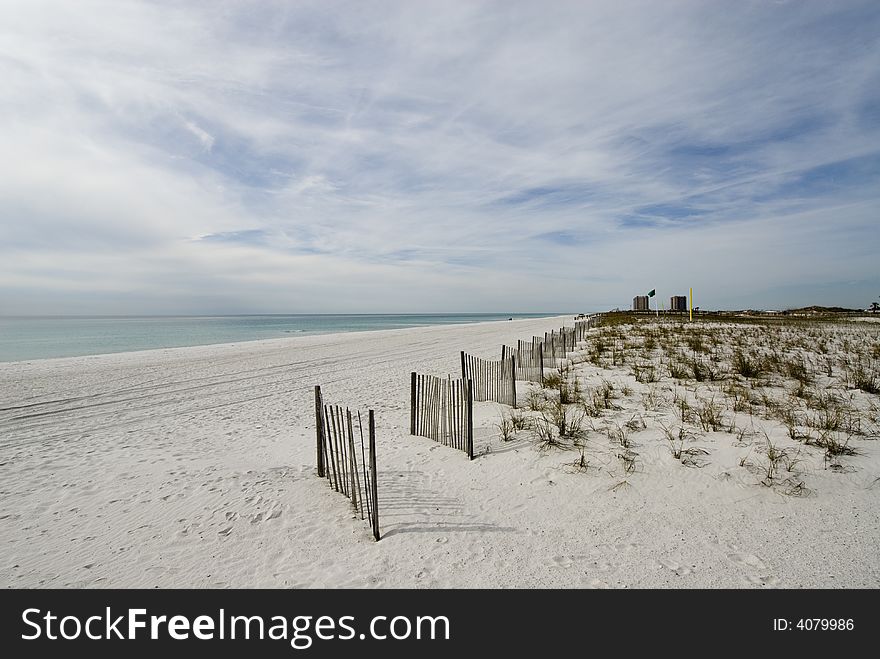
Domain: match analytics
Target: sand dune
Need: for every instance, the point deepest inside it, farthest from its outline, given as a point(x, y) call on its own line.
point(195, 467)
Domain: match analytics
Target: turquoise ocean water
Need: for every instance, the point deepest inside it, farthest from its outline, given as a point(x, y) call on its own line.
point(23, 338)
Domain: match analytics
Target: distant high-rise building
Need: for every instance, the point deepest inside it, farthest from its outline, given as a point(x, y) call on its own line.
point(678, 303)
point(640, 303)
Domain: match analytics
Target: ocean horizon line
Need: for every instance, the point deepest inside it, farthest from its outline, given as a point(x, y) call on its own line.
point(47, 337)
point(292, 314)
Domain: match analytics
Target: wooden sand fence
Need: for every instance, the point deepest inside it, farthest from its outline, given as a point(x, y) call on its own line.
point(492, 380)
point(528, 357)
point(442, 409)
point(346, 463)
point(552, 349)
point(558, 344)
point(581, 327)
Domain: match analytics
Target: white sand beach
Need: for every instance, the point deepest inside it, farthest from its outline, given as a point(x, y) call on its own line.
point(195, 467)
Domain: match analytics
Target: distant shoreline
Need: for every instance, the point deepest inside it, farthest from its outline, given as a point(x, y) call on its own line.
point(54, 337)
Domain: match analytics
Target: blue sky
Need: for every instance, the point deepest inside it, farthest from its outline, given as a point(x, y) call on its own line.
point(235, 157)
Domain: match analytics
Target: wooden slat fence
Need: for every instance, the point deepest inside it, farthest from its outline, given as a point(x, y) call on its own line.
point(581, 327)
point(552, 349)
point(558, 344)
point(442, 409)
point(349, 471)
point(492, 380)
point(528, 358)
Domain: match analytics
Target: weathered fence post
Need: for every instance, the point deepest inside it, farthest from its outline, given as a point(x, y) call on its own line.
point(513, 379)
point(373, 485)
point(412, 404)
point(319, 430)
point(339, 459)
point(541, 361)
point(470, 419)
point(352, 463)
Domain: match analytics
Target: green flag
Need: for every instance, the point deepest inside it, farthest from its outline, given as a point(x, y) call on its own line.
point(651, 294)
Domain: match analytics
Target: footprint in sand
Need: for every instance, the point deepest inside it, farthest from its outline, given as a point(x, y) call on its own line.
point(562, 561)
point(679, 569)
point(748, 560)
point(742, 558)
point(768, 580)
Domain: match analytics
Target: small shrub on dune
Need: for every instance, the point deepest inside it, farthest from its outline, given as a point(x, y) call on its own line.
point(832, 444)
point(709, 414)
point(698, 371)
point(695, 343)
point(797, 369)
point(739, 397)
point(746, 365)
point(773, 362)
point(628, 460)
point(618, 355)
point(829, 367)
point(702, 371)
point(768, 402)
point(774, 458)
point(873, 413)
point(636, 423)
point(685, 411)
point(592, 405)
point(790, 418)
point(580, 464)
point(519, 420)
point(567, 422)
point(552, 380)
point(569, 390)
point(802, 391)
point(505, 428)
point(546, 435)
point(619, 435)
point(865, 378)
point(645, 373)
point(651, 400)
point(606, 395)
point(536, 401)
point(685, 455)
point(830, 418)
point(678, 369)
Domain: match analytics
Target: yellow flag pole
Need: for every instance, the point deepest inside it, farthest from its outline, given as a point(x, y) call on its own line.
point(692, 304)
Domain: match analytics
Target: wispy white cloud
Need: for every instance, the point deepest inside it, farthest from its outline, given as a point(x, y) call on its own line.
point(435, 156)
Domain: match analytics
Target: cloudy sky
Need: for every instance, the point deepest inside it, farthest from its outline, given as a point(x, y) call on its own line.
point(236, 157)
